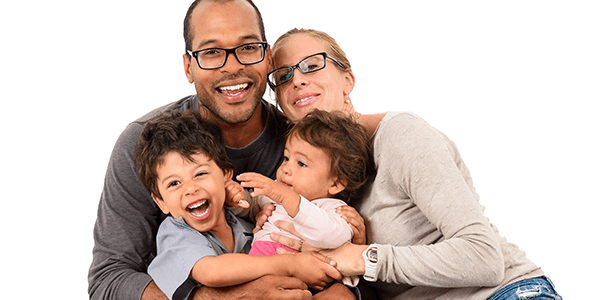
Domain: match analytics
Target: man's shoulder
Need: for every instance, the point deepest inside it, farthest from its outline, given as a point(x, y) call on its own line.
point(185, 103)
point(275, 117)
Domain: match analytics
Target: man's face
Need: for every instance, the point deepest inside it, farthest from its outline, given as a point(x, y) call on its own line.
point(232, 92)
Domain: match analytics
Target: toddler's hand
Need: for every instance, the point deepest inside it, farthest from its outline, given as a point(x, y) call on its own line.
point(266, 186)
point(353, 218)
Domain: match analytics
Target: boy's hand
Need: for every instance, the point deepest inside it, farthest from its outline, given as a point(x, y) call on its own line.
point(235, 195)
point(353, 218)
point(266, 186)
point(315, 269)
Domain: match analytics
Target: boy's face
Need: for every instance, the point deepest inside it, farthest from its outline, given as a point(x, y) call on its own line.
point(192, 190)
point(306, 169)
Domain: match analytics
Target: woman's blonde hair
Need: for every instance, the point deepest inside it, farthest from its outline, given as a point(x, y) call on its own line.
point(331, 46)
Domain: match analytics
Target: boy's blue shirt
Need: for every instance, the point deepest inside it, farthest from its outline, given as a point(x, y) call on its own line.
point(179, 247)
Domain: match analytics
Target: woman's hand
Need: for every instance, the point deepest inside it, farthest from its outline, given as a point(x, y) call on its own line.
point(295, 244)
point(347, 258)
point(353, 218)
point(263, 215)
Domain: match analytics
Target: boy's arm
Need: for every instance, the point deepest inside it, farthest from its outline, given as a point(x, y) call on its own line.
point(276, 191)
point(236, 268)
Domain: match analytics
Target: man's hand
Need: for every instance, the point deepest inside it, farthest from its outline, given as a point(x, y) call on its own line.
point(314, 269)
point(266, 287)
point(336, 291)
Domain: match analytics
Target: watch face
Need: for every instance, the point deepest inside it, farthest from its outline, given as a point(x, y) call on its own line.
point(372, 254)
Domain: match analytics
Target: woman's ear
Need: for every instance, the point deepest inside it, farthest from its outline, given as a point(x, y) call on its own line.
point(337, 185)
point(349, 82)
point(161, 204)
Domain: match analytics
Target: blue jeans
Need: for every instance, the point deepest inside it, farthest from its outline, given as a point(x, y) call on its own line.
point(534, 288)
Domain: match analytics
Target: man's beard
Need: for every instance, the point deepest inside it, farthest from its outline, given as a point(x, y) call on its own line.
point(229, 115)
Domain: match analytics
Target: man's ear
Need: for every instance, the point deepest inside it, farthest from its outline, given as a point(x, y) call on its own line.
point(337, 185)
point(161, 204)
point(187, 67)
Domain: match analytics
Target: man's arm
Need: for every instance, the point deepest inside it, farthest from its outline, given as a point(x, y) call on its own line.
point(125, 230)
point(152, 292)
point(266, 287)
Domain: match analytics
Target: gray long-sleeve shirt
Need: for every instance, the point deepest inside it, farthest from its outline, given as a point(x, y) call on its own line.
point(422, 211)
point(128, 219)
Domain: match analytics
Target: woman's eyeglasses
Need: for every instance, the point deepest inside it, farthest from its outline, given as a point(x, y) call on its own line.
point(310, 64)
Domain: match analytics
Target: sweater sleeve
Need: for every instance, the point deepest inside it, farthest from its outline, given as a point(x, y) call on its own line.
point(125, 230)
point(320, 225)
point(425, 164)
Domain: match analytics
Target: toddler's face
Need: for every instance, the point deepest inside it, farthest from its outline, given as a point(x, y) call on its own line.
point(306, 169)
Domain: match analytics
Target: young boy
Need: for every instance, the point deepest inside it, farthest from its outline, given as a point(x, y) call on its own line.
point(181, 160)
point(326, 155)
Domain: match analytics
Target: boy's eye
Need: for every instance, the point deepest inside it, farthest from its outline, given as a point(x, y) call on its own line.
point(301, 164)
point(285, 158)
point(173, 183)
point(200, 174)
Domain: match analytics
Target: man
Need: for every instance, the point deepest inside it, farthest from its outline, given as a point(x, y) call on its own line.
point(229, 86)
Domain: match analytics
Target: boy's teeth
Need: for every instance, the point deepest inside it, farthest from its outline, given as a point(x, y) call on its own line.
point(193, 209)
point(197, 205)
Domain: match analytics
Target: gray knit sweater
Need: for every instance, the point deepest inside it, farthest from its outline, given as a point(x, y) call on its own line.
point(423, 212)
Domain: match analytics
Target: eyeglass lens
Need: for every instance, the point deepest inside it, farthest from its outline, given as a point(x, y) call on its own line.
point(245, 54)
point(308, 65)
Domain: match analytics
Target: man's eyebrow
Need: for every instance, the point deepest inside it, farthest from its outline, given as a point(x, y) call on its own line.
point(243, 39)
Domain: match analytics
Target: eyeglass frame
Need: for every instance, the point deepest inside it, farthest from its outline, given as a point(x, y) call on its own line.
point(297, 66)
point(194, 54)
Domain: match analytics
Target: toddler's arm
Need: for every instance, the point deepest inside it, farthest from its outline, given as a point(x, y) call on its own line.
point(276, 191)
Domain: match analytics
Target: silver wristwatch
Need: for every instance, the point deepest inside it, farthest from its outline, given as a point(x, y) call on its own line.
point(370, 257)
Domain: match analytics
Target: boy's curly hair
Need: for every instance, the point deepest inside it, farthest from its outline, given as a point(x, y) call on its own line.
point(183, 132)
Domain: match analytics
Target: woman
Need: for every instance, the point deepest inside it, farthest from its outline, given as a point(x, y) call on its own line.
point(427, 234)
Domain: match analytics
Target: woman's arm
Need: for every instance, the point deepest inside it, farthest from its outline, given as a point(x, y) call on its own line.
point(235, 268)
point(453, 244)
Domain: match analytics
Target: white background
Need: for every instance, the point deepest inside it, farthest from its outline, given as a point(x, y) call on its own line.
point(516, 84)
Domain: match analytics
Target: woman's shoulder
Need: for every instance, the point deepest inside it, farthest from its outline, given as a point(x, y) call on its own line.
point(397, 120)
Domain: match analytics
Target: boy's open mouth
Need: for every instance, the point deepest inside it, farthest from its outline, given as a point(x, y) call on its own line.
point(199, 209)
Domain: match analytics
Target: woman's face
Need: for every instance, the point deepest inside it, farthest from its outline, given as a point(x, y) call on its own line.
point(325, 89)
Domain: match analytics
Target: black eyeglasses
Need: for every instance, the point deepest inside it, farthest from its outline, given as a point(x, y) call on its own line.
point(309, 64)
point(215, 58)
